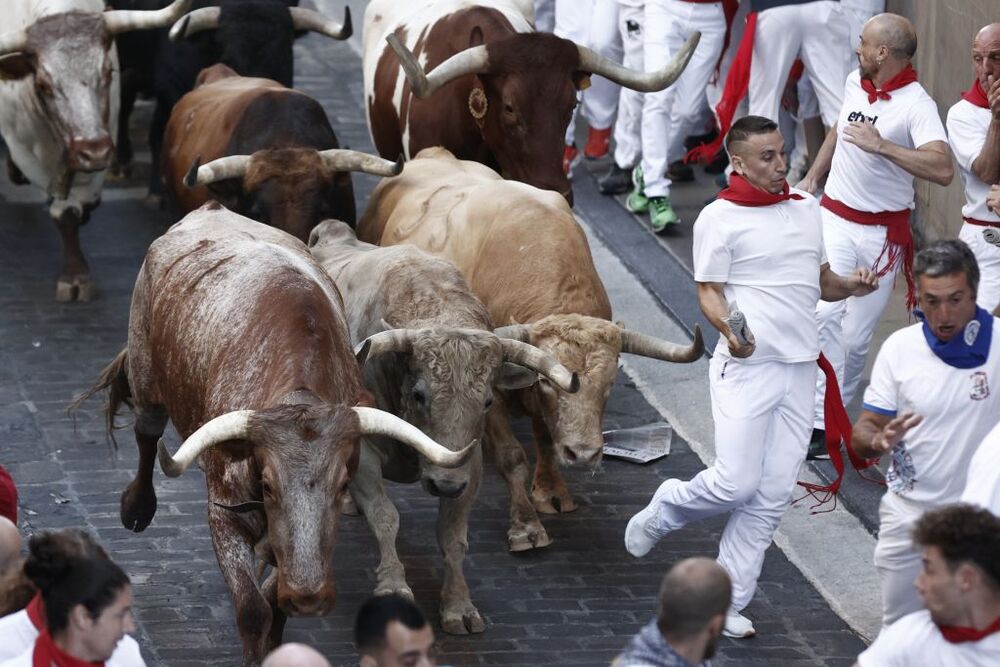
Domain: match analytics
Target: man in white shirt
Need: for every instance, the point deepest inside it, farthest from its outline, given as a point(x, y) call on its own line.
point(761, 245)
point(960, 588)
point(974, 135)
point(933, 397)
point(888, 132)
point(982, 487)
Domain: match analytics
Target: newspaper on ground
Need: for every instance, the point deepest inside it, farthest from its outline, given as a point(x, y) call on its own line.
point(640, 444)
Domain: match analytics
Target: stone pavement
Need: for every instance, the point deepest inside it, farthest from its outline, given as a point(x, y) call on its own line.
point(576, 602)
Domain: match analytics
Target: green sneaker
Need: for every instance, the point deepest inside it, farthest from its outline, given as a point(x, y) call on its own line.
point(661, 214)
point(637, 201)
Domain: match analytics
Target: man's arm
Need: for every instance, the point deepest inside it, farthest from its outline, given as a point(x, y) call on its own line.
point(930, 161)
point(712, 300)
point(821, 165)
point(874, 435)
point(986, 167)
point(834, 287)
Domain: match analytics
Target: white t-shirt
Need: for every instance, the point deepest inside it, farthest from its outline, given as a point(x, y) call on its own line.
point(983, 484)
point(967, 128)
point(17, 642)
point(869, 182)
point(959, 407)
point(914, 641)
point(768, 257)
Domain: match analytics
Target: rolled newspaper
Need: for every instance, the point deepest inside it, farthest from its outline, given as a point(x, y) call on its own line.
point(992, 235)
point(737, 322)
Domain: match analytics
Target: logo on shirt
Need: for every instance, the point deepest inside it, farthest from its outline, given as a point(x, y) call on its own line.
point(971, 331)
point(632, 27)
point(902, 473)
point(861, 118)
point(980, 386)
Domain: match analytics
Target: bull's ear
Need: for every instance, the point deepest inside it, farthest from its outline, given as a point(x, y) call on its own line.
point(16, 66)
point(512, 376)
point(476, 37)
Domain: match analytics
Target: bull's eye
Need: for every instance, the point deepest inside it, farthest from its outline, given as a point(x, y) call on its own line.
point(419, 397)
point(508, 109)
point(489, 403)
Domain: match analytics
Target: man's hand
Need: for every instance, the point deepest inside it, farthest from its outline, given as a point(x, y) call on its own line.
point(893, 432)
point(864, 136)
point(808, 183)
point(993, 96)
point(741, 351)
point(993, 199)
point(863, 281)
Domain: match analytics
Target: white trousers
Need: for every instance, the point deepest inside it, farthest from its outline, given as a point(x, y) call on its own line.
point(897, 560)
point(815, 31)
point(761, 414)
point(846, 327)
point(592, 23)
point(628, 126)
point(988, 258)
point(668, 115)
point(545, 17)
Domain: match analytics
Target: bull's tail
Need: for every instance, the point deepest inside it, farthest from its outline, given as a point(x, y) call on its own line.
point(114, 379)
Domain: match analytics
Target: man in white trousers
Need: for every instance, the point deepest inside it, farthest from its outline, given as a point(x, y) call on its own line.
point(667, 115)
point(759, 245)
point(982, 487)
point(887, 133)
point(932, 399)
point(974, 134)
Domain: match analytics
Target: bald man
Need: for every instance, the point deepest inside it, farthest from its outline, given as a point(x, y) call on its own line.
point(887, 133)
point(974, 134)
point(10, 544)
point(295, 655)
point(694, 597)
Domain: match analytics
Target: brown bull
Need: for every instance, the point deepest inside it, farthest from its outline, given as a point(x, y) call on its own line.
point(526, 258)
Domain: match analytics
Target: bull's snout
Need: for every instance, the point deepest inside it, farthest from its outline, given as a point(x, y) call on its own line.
point(90, 154)
point(306, 603)
point(581, 455)
point(444, 488)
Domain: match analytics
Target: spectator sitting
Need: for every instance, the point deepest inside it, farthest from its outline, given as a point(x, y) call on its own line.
point(82, 608)
point(960, 586)
point(391, 631)
point(295, 655)
point(694, 597)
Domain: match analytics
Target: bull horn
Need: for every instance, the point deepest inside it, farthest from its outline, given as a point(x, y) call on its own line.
point(124, 20)
point(307, 19)
point(531, 357)
point(206, 18)
point(649, 346)
point(645, 82)
point(342, 159)
point(12, 42)
point(378, 422)
point(521, 332)
point(393, 340)
point(232, 166)
point(230, 426)
point(474, 60)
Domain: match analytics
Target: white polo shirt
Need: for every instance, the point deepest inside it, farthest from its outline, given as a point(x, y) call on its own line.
point(914, 640)
point(869, 182)
point(768, 257)
point(983, 484)
point(967, 128)
point(17, 643)
point(959, 407)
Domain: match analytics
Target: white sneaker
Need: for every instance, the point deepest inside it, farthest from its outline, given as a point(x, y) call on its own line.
point(738, 625)
point(641, 534)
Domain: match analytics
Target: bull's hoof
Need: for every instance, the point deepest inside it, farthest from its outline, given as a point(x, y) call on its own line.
point(138, 507)
point(526, 537)
point(462, 619)
point(551, 502)
point(394, 588)
point(119, 172)
point(79, 288)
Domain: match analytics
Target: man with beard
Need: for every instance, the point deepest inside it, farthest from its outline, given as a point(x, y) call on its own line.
point(960, 588)
point(932, 399)
point(887, 133)
point(694, 597)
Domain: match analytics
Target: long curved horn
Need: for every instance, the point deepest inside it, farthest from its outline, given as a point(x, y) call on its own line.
point(378, 422)
point(342, 159)
point(230, 426)
point(12, 42)
point(206, 18)
point(473, 60)
point(531, 357)
point(521, 332)
point(124, 20)
point(591, 61)
point(649, 346)
point(393, 340)
point(307, 19)
point(232, 166)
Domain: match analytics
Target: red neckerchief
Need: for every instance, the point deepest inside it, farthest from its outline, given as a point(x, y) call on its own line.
point(36, 612)
point(976, 95)
point(740, 192)
point(47, 654)
point(907, 76)
point(956, 634)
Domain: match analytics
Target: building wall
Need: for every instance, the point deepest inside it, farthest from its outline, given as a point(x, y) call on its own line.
point(945, 29)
